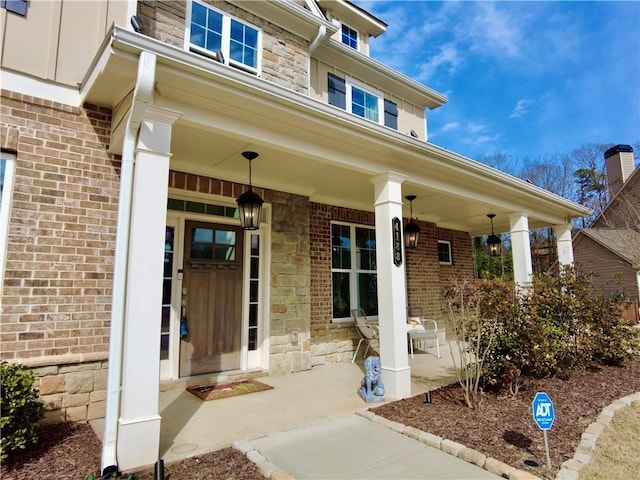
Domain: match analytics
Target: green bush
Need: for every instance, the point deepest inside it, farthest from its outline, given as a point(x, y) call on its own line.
point(20, 409)
point(558, 327)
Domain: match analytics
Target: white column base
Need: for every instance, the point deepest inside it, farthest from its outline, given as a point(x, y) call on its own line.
point(397, 383)
point(138, 443)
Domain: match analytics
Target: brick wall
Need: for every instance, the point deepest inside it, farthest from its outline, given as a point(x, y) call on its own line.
point(57, 287)
point(331, 342)
point(334, 342)
point(462, 261)
point(284, 55)
point(56, 298)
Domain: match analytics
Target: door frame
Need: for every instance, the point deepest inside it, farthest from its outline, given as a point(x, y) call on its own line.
point(249, 360)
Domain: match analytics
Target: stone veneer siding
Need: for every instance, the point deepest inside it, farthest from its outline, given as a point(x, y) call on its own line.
point(290, 285)
point(284, 55)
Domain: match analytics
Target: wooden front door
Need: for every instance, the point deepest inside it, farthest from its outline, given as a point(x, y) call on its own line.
point(212, 299)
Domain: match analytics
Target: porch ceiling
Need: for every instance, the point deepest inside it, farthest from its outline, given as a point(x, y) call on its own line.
point(307, 147)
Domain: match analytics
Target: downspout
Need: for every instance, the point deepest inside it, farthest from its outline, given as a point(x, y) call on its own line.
point(142, 96)
point(322, 33)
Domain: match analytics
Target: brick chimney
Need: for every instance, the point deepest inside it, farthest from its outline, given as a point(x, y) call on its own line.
point(619, 164)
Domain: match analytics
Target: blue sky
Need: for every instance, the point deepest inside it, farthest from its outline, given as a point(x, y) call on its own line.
point(523, 78)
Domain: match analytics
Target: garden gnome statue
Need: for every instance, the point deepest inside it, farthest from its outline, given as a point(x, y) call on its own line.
point(371, 388)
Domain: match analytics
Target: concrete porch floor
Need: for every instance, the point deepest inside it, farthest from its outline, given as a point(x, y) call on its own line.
point(192, 427)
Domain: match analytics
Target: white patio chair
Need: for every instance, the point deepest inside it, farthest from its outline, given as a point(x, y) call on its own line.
point(418, 332)
point(366, 330)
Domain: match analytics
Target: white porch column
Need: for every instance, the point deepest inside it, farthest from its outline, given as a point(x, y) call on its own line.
point(392, 304)
point(139, 423)
point(563, 242)
point(522, 268)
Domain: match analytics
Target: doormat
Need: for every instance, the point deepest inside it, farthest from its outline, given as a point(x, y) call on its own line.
point(214, 392)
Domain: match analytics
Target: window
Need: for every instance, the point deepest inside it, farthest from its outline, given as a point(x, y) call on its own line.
point(7, 168)
point(167, 280)
point(444, 252)
point(209, 244)
point(254, 291)
point(353, 268)
point(15, 6)
point(365, 103)
point(349, 37)
point(216, 35)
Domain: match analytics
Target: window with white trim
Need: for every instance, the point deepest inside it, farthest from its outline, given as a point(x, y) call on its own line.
point(7, 169)
point(228, 40)
point(444, 252)
point(353, 270)
point(362, 101)
point(349, 37)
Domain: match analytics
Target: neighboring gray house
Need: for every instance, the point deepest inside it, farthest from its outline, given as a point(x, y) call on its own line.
point(610, 248)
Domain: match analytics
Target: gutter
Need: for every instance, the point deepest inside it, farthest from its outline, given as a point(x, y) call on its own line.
point(142, 96)
point(173, 57)
point(322, 34)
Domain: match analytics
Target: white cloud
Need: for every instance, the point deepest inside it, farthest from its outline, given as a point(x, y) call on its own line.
point(521, 108)
point(496, 30)
point(448, 59)
point(448, 127)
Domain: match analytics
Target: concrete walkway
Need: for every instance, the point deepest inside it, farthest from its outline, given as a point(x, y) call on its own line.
point(307, 426)
point(352, 447)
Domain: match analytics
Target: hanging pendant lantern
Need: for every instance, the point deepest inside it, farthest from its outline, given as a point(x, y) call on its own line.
point(493, 241)
point(250, 203)
point(411, 229)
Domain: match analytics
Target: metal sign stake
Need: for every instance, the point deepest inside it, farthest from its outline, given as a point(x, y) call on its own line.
point(543, 415)
point(546, 448)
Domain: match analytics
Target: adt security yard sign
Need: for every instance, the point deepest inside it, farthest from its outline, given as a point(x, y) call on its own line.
point(543, 413)
point(544, 416)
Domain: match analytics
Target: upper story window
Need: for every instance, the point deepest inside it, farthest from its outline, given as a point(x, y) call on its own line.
point(349, 37)
point(365, 103)
point(226, 39)
point(15, 6)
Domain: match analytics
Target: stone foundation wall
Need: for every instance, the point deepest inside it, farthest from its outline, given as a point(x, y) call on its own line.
point(72, 388)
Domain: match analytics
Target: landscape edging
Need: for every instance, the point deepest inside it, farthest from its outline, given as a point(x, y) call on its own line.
point(453, 448)
point(570, 470)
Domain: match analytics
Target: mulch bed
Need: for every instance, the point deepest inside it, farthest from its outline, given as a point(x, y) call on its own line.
point(214, 392)
point(502, 428)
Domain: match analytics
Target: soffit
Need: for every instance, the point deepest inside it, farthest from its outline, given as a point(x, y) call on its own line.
point(290, 16)
point(354, 16)
point(310, 148)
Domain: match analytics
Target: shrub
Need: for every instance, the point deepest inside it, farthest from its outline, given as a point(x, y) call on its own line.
point(20, 409)
point(559, 326)
point(474, 333)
